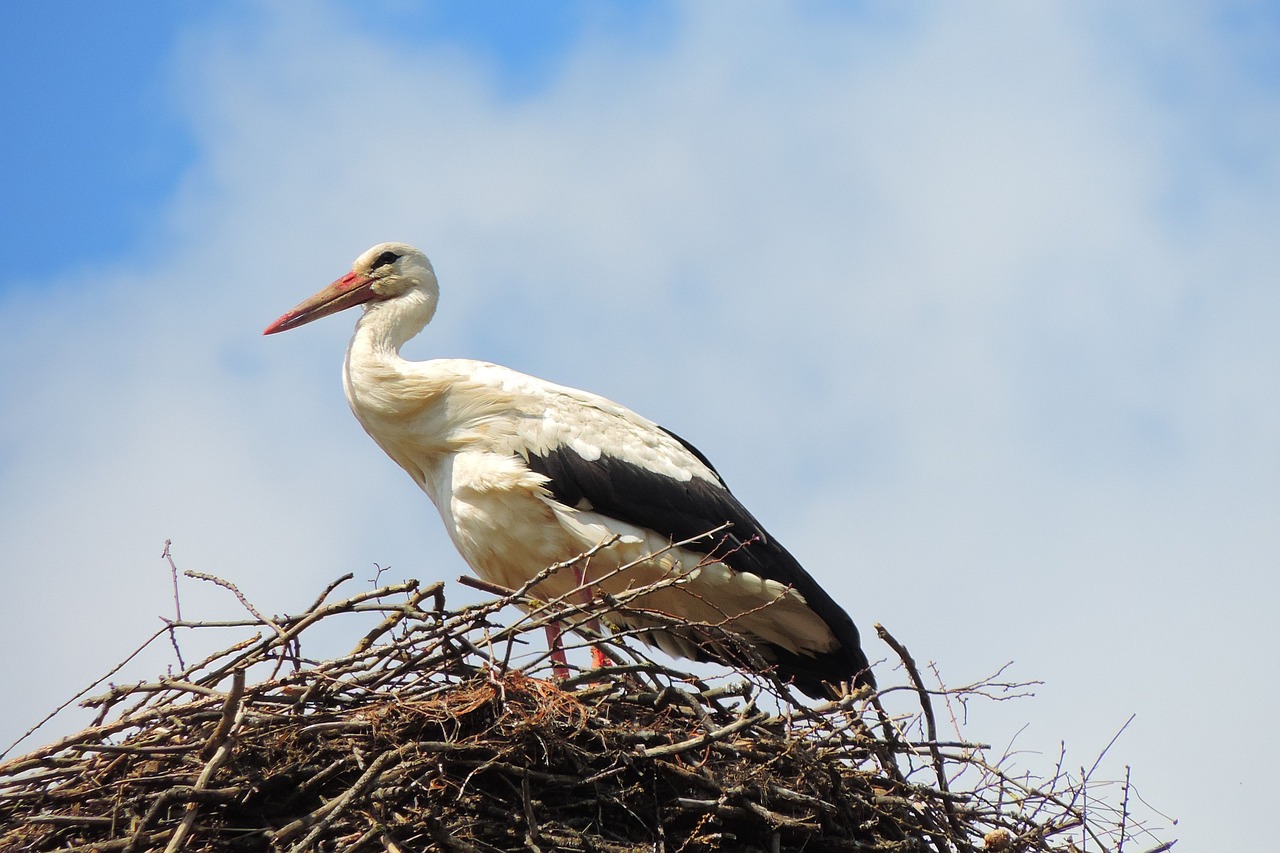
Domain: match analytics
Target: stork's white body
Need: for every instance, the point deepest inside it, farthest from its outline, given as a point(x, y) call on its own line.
point(463, 429)
point(526, 474)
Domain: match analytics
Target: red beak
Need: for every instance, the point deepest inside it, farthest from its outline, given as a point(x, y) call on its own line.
point(351, 289)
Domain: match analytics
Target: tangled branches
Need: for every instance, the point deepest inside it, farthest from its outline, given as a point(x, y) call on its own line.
point(443, 729)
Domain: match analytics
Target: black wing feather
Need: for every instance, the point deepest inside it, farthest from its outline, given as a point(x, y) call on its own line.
point(682, 510)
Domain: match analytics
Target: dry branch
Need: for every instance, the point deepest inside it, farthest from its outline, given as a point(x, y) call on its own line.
point(444, 730)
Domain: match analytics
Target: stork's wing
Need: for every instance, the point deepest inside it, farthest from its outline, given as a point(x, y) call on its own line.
point(597, 454)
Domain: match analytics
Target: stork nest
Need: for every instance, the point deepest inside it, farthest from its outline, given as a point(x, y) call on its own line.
point(444, 729)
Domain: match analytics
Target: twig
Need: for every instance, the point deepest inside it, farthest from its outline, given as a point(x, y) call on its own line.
point(218, 751)
point(931, 729)
point(324, 593)
point(139, 650)
point(235, 590)
point(1124, 811)
point(324, 816)
point(704, 739)
point(177, 603)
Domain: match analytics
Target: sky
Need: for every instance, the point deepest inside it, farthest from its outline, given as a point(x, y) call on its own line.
point(974, 306)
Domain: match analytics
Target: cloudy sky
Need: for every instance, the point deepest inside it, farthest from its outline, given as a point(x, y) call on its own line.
point(974, 305)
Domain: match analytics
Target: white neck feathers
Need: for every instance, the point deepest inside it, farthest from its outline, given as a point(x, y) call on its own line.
point(379, 382)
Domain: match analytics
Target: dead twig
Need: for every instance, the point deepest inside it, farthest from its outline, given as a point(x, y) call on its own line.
point(218, 750)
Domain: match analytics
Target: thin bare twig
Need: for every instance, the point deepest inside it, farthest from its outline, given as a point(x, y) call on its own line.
point(218, 750)
point(235, 590)
point(177, 603)
point(931, 730)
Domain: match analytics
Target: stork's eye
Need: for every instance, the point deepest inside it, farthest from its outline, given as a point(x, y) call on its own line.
point(385, 258)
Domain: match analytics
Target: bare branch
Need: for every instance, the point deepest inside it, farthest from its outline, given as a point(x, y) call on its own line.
point(444, 729)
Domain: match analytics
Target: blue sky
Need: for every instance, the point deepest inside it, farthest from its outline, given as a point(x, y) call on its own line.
point(103, 142)
point(101, 136)
point(974, 306)
point(97, 144)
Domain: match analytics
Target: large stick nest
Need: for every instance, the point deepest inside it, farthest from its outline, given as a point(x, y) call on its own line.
point(444, 729)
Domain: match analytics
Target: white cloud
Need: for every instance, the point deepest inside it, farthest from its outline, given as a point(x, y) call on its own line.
point(973, 312)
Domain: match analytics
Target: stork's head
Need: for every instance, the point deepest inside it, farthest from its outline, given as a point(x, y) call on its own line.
point(388, 272)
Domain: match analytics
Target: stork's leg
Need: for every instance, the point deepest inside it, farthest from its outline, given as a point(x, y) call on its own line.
point(559, 663)
point(598, 657)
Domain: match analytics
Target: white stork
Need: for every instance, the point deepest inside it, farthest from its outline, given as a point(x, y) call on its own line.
point(527, 474)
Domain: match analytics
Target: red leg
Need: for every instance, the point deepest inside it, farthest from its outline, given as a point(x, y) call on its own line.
point(559, 663)
point(598, 658)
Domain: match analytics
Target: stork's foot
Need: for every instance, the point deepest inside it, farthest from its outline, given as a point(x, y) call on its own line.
point(599, 659)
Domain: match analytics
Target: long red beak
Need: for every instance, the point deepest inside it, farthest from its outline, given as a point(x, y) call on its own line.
point(351, 289)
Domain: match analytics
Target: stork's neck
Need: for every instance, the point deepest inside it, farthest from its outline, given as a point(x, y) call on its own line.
point(386, 326)
point(378, 381)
